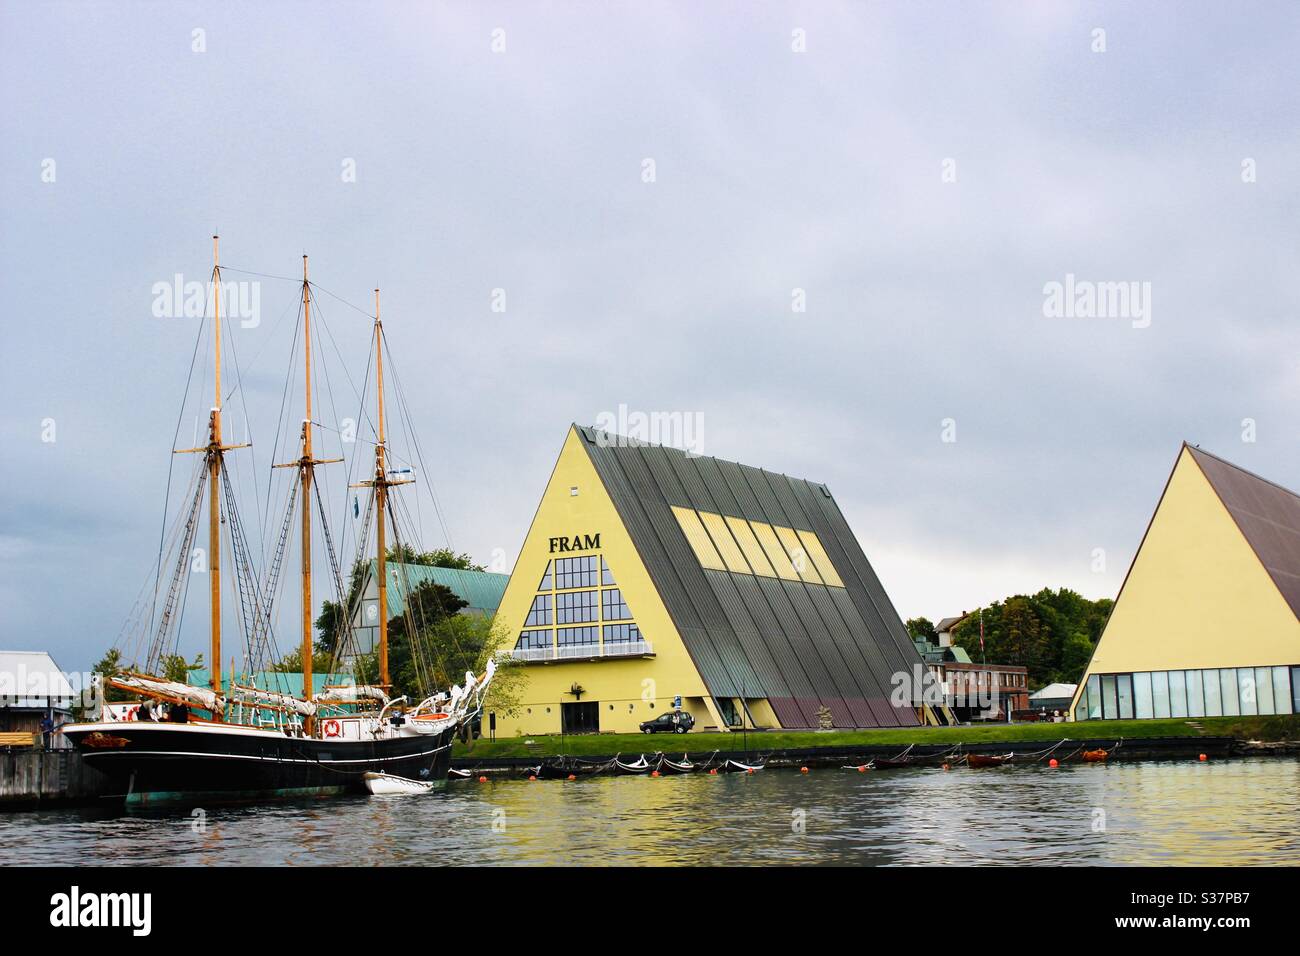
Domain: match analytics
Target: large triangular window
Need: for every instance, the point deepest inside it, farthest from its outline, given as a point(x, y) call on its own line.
point(579, 612)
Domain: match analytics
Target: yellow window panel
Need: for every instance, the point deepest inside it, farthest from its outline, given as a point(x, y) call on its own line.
point(705, 552)
point(726, 544)
point(775, 551)
point(749, 544)
point(812, 546)
point(799, 557)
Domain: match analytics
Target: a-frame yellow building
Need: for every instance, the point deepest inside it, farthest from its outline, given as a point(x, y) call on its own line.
point(652, 579)
point(1207, 622)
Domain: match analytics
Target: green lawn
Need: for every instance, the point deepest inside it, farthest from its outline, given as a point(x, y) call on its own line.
point(1258, 728)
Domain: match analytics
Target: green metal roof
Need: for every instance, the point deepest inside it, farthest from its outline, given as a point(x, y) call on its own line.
point(801, 645)
point(934, 654)
point(481, 590)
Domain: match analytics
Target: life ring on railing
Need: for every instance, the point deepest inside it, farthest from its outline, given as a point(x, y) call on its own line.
point(332, 728)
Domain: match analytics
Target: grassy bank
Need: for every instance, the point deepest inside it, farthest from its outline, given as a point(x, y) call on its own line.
point(1253, 728)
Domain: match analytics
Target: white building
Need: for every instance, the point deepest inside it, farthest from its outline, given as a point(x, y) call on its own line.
point(32, 687)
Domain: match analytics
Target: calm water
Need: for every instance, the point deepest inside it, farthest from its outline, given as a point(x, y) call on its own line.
point(1219, 813)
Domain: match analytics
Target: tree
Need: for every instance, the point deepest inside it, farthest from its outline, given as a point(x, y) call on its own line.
point(330, 623)
point(176, 668)
point(110, 665)
point(332, 620)
point(416, 657)
point(466, 642)
point(1023, 633)
point(505, 695)
point(438, 558)
point(1051, 633)
point(921, 629)
point(322, 660)
point(1075, 652)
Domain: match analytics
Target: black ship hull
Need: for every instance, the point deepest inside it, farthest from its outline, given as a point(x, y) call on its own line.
point(159, 763)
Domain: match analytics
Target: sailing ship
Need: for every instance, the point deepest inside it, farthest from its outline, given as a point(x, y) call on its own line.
point(231, 740)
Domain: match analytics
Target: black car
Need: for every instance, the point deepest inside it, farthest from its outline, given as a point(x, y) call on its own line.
point(678, 722)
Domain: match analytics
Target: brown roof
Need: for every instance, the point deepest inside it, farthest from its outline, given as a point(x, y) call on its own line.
point(1267, 514)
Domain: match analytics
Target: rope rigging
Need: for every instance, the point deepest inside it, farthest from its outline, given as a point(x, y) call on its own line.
point(272, 587)
point(171, 600)
point(247, 588)
point(155, 625)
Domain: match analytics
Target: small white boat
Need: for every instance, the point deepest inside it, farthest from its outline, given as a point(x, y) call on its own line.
point(379, 783)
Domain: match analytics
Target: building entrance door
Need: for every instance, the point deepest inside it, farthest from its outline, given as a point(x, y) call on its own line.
point(580, 718)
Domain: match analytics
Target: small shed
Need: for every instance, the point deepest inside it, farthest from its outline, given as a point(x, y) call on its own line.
point(32, 688)
point(1053, 697)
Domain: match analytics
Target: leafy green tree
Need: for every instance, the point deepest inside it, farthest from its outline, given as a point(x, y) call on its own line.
point(418, 649)
point(1051, 633)
point(110, 665)
point(331, 622)
point(1075, 653)
point(329, 625)
point(438, 558)
point(322, 660)
point(176, 668)
point(505, 695)
point(921, 629)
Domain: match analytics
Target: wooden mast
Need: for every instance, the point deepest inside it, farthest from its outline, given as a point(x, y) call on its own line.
point(381, 497)
point(213, 453)
point(305, 471)
point(214, 478)
point(306, 465)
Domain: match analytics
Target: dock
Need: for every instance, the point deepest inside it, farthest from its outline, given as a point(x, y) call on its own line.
point(1143, 748)
point(35, 778)
point(31, 778)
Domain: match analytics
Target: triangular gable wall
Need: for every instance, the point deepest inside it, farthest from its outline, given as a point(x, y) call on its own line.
point(578, 518)
point(1197, 595)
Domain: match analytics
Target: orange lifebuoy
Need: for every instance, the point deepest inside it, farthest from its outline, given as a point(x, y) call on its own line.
point(332, 728)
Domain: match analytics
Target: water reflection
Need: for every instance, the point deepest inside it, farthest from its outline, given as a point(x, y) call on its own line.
point(1218, 813)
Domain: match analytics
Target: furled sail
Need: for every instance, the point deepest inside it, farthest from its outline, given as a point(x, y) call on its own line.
point(350, 693)
point(287, 701)
point(198, 696)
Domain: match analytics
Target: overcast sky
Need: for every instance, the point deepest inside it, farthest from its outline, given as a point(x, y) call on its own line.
point(807, 147)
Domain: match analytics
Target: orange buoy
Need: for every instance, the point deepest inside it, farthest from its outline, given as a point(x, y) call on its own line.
point(532, 776)
point(482, 779)
point(803, 769)
point(1204, 758)
point(862, 768)
point(750, 771)
point(1053, 763)
point(713, 773)
point(654, 773)
point(572, 777)
point(947, 767)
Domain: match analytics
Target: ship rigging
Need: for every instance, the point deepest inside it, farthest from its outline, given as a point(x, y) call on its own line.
point(230, 737)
